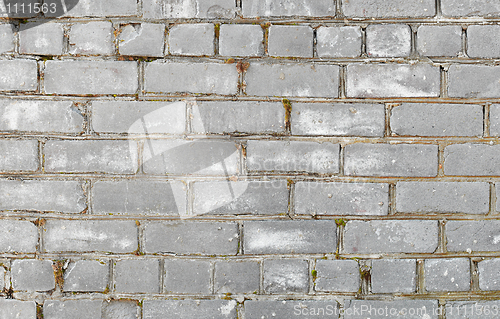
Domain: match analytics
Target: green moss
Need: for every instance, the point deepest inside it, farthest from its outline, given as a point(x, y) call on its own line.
point(314, 274)
point(340, 222)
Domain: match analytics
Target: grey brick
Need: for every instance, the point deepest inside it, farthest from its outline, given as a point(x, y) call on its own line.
point(289, 237)
point(145, 39)
point(6, 38)
point(86, 276)
point(91, 38)
point(391, 160)
point(242, 116)
point(392, 80)
point(139, 117)
point(269, 309)
point(187, 276)
point(482, 41)
point(90, 236)
point(443, 197)
point(442, 40)
point(341, 198)
point(42, 195)
point(191, 39)
point(388, 8)
point(139, 197)
point(236, 277)
point(495, 120)
point(388, 40)
point(207, 78)
point(18, 75)
point(206, 238)
point(241, 40)
point(241, 197)
point(280, 156)
point(11, 308)
point(497, 187)
point(342, 119)
point(32, 275)
point(286, 276)
point(463, 8)
point(337, 275)
point(292, 79)
point(489, 271)
point(173, 309)
point(137, 276)
point(176, 9)
point(339, 42)
point(75, 309)
point(90, 77)
point(287, 8)
point(107, 156)
point(394, 276)
point(18, 155)
point(290, 41)
point(374, 309)
point(398, 236)
point(212, 157)
point(416, 119)
point(121, 309)
point(473, 81)
point(447, 274)
point(2, 277)
point(472, 309)
point(11, 242)
point(40, 116)
point(97, 8)
point(469, 236)
point(472, 160)
point(41, 39)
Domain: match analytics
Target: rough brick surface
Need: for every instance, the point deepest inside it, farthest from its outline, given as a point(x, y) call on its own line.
point(241, 40)
point(461, 8)
point(447, 274)
point(91, 38)
point(11, 308)
point(32, 275)
point(18, 75)
point(236, 277)
point(337, 275)
point(145, 39)
point(86, 275)
point(374, 309)
point(43, 39)
point(495, 120)
point(166, 9)
point(471, 159)
point(187, 276)
point(443, 40)
point(268, 309)
point(6, 38)
point(19, 155)
point(191, 39)
point(391, 40)
point(263, 8)
point(473, 81)
point(337, 42)
point(473, 235)
point(171, 309)
point(482, 41)
point(394, 275)
point(8, 236)
point(78, 309)
point(290, 41)
point(471, 309)
point(285, 276)
point(137, 276)
point(489, 270)
point(386, 9)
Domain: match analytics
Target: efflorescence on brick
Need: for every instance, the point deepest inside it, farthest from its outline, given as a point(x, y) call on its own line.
point(250, 159)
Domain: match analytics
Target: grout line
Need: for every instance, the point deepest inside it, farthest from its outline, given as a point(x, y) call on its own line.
point(190, 199)
point(442, 245)
point(365, 267)
point(486, 120)
point(162, 276)
point(392, 199)
point(342, 81)
point(212, 277)
point(441, 159)
point(140, 78)
point(474, 275)
point(240, 239)
point(315, 43)
point(338, 9)
point(413, 41)
point(493, 200)
point(443, 83)
point(111, 282)
point(420, 276)
point(465, 42)
point(216, 38)
point(364, 52)
point(439, 11)
point(261, 277)
point(89, 184)
point(342, 160)
point(312, 267)
point(291, 199)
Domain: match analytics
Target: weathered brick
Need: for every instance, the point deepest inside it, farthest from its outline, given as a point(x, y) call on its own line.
point(268, 309)
point(241, 40)
point(287, 8)
point(482, 41)
point(495, 120)
point(184, 238)
point(236, 277)
point(6, 38)
point(77, 309)
point(240, 197)
point(121, 309)
point(394, 275)
point(290, 41)
point(191, 39)
point(292, 79)
point(337, 276)
point(32, 275)
point(107, 156)
point(416, 119)
point(42, 195)
point(489, 271)
point(173, 309)
point(19, 155)
point(137, 276)
point(469, 236)
point(285, 237)
point(11, 242)
point(96, 8)
point(391, 160)
point(242, 117)
point(342, 119)
point(388, 40)
point(90, 77)
point(40, 116)
point(187, 276)
point(207, 78)
point(86, 276)
point(91, 38)
point(90, 236)
point(443, 197)
point(2, 276)
point(463, 8)
point(391, 236)
point(341, 198)
point(145, 39)
point(18, 75)
point(12, 308)
point(392, 80)
point(439, 40)
point(339, 42)
point(279, 156)
point(447, 274)
point(374, 309)
point(472, 309)
point(286, 276)
point(213, 157)
point(473, 81)
point(41, 39)
point(176, 9)
point(472, 160)
point(388, 8)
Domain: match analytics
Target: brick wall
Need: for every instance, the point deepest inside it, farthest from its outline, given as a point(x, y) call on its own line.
point(251, 159)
